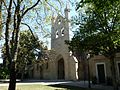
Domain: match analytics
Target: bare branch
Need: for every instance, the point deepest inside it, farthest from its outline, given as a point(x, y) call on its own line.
point(31, 7)
point(30, 30)
point(5, 4)
point(23, 9)
point(46, 32)
point(21, 1)
point(14, 3)
point(54, 7)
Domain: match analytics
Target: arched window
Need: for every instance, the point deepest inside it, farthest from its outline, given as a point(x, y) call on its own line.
point(62, 31)
point(59, 21)
point(56, 34)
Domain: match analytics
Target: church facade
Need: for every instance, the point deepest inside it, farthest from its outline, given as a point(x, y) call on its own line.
point(63, 66)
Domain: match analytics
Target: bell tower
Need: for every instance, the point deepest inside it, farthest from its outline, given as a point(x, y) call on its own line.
point(64, 66)
point(60, 30)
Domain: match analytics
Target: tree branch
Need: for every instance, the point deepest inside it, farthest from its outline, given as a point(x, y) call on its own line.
point(114, 18)
point(14, 3)
point(4, 4)
point(30, 30)
point(31, 7)
point(7, 32)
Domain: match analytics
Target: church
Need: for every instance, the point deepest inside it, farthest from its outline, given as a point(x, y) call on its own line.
point(63, 66)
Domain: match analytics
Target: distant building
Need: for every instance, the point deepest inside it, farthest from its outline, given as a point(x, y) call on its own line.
point(100, 69)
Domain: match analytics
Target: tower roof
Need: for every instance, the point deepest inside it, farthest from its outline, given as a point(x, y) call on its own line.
point(67, 8)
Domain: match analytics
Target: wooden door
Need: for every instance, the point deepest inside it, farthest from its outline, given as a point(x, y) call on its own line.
point(61, 73)
point(101, 73)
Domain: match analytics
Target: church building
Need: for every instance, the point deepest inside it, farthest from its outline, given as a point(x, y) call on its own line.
point(64, 66)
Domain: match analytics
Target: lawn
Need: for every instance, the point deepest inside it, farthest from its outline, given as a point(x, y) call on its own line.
point(45, 87)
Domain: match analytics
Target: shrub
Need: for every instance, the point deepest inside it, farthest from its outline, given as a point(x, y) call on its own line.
point(4, 73)
point(94, 80)
point(109, 80)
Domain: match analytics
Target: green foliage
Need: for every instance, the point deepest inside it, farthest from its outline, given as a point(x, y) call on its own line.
point(47, 87)
point(4, 73)
point(28, 49)
point(99, 29)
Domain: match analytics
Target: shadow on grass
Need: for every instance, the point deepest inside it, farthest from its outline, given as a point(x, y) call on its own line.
point(70, 87)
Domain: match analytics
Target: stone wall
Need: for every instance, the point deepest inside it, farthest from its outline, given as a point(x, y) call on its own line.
point(101, 60)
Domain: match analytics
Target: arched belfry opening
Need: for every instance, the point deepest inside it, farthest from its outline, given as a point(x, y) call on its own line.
point(61, 69)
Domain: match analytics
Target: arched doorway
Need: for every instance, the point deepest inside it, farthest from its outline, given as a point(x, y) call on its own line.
point(61, 72)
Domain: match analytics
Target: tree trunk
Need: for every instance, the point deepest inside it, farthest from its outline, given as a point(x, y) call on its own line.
point(113, 72)
point(22, 74)
point(89, 84)
point(0, 18)
point(12, 84)
point(81, 65)
point(79, 70)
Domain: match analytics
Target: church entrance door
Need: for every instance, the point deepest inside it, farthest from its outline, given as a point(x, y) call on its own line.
point(61, 73)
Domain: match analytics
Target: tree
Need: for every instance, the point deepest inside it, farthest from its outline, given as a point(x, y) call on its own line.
point(11, 52)
point(30, 50)
point(99, 31)
point(0, 18)
point(27, 47)
point(15, 13)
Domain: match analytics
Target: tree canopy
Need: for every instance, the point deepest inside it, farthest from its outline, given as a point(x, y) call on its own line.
point(30, 49)
point(98, 30)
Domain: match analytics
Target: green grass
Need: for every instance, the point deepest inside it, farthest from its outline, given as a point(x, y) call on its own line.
point(45, 87)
